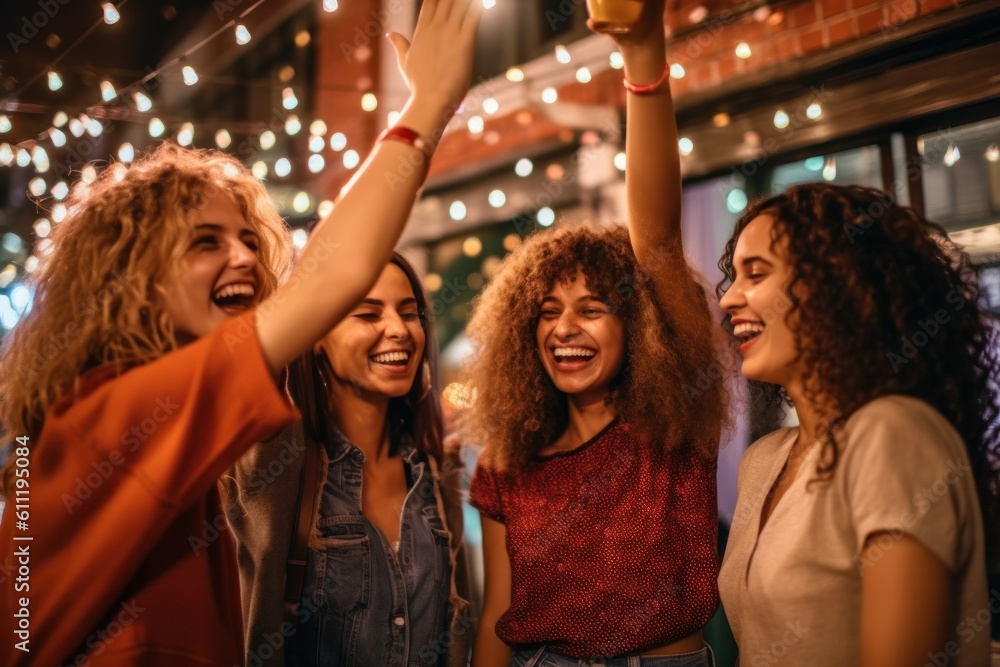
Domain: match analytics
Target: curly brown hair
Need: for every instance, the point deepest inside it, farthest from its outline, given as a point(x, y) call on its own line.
point(877, 276)
point(518, 410)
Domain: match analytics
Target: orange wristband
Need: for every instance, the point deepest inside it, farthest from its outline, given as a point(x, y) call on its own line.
point(648, 88)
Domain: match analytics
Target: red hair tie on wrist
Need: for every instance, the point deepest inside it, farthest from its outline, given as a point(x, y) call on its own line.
point(649, 87)
point(408, 136)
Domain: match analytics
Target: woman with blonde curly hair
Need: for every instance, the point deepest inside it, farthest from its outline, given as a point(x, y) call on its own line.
point(858, 537)
point(147, 366)
point(597, 484)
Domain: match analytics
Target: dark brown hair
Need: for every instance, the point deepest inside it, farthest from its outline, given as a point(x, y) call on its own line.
point(878, 276)
point(518, 410)
point(414, 418)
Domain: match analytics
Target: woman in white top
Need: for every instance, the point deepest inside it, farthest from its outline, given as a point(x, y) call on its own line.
point(858, 537)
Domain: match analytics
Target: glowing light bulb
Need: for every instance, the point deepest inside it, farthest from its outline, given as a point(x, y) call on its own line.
point(743, 50)
point(189, 75)
point(292, 125)
point(515, 74)
point(490, 106)
point(685, 145)
point(267, 140)
point(620, 161)
point(318, 128)
point(316, 144)
point(497, 198)
point(111, 14)
point(23, 158)
point(58, 137)
point(299, 238)
point(288, 99)
point(282, 167)
point(330, 5)
point(40, 159)
point(992, 153)
point(780, 119)
point(142, 103)
point(952, 155)
point(242, 35)
point(476, 125)
point(338, 141)
point(325, 208)
point(118, 171)
point(392, 118)
point(60, 119)
point(563, 55)
point(76, 128)
point(42, 227)
point(6, 155)
point(301, 202)
point(94, 127)
point(351, 159)
point(677, 71)
point(156, 127)
point(37, 186)
point(524, 167)
point(55, 81)
point(259, 170)
point(58, 212)
point(108, 92)
point(814, 111)
point(550, 95)
point(88, 174)
point(583, 75)
point(60, 190)
point(185, 136)
point(830, 169)
point(457, 211)
point(223, 139)
point(4, 124)
point(546, 216)
point(369, 102)
point(316, 163)
point(617, 60)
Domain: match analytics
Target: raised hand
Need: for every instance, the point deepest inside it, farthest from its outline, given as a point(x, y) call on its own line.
point(437, 64)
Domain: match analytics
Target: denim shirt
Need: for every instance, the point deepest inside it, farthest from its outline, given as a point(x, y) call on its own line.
point(374, 606)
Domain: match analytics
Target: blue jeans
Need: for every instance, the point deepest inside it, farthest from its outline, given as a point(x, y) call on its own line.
point(544, 658)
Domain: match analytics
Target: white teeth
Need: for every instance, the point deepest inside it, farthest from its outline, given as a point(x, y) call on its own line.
point(574, 352)
point(391, 356)
point(240, 289)
point(747, 329)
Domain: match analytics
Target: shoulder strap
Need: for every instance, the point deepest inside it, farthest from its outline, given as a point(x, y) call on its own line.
point(299, 549)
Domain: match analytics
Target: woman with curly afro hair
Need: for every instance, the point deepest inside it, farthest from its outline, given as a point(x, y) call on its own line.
point(597, 482)
point(858, 537)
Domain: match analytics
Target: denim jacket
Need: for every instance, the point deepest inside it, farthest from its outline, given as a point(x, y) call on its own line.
point(378, 604)
point(354, 596)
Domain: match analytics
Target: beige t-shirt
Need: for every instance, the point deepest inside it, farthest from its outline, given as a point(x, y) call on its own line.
point(793, 593)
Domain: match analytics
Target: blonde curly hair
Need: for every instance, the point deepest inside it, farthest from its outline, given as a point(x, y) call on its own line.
point(518, 410)
point(99, 296)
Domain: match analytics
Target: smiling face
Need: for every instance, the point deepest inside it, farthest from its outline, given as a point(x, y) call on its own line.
point(379, 347)
point(757, 303)
point(219, 275)
point(580, 341)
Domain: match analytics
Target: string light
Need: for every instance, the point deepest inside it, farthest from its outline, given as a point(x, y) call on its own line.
point(88, 174)
point(189, 75)
point(288, 99)
point(108, 91)
point(952, 155)
point(60, 190)
point(992, 153)
point(677, 71)
point(780, 119)
point(142, 103)
point(338, 141)
point(94, 127)
point(4, 124)
point(40, 159)
point(369, 102)
point(524, 167)
point(472, 246)
point(330, 6)
point(259, 170)
point(223, 139)
point(60, 119)
point(476, 125)
point(42, 227)
point(58, 213)
point(118, 171)
point(830, 169)
point(317, 128)
point(282, 167)
point(242, 35)
point(111, 14)
point(185, 136)
point(6, 155)
point(457, 211)
point(620, 161)
point(300, 202)
point(685, 146)
point(316, 144)
point(55, 81)
point(23, 158)
point(325, 208)
point(156, 127)
point(392, 118)
point(515, 74)
point(550, 95)
point(299, 238)
point(743, 50)
point(316, 163)
point(563, 55)
point(76, 127)
point(292, 125)
point(583, 75)
point(37, 186)
point(58, 137)
point(814, 111)
point(497, 198)
point(267, 140)
point(546, 216)
point(351, 159)
point(490, 106)
point(616, 59)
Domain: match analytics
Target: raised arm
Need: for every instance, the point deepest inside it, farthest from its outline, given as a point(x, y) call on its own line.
point(348, 250)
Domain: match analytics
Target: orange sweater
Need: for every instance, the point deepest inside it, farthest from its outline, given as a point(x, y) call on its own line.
point(129, 561)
